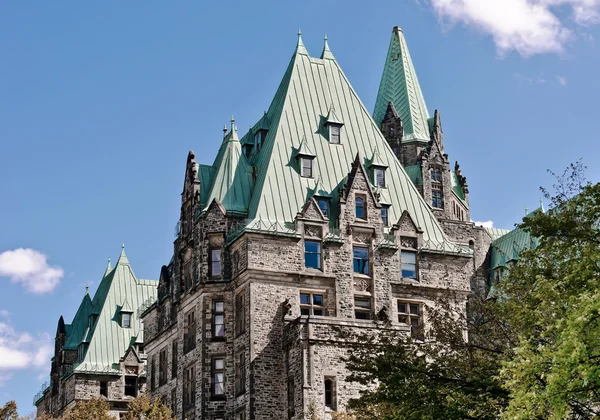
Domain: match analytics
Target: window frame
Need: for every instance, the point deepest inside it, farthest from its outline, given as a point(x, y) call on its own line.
point(212, 252)
point(366, 267)
point(379, 170)
point(240, 313)
point(189, 387)
point(385, 219)
point(437, 199)
point(332, 135)
point(104, 384)
point(324, 200)
point(189, 336)
point(174, 359)
point(129, 317)
point(213, 378)
point(304, 168)
point(415, 331)
point(366, 311)
point(319, 254)
point(311, 306)
point(134, 386)
point(240, 374)
point(405, 252)
point(362, 200)
point(215, 314)
point(332, 403)
point(162, 367)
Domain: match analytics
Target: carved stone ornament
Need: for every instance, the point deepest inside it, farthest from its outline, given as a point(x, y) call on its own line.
point(361, 237)
point(312, 231)
point(408, 242)
point(362, 285)
point(131, 370)
point(215, 241)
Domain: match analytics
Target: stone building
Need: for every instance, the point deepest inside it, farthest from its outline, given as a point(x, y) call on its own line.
point(101, 352)
point(321, 216)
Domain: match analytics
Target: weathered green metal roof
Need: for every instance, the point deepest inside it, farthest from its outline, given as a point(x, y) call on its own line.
point(496, 233)
point(457, 188)
point(508, 246)
point(415, 174)
point(231, 185)
point(400, 86)
point(205, 176)
point(108, 341)
point(308, 89)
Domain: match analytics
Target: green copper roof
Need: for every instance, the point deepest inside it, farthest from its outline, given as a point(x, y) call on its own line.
point(309, 88)
point(231, 181)
point(205, 176)
point(496, 233)
point(457, 188)
point(399, 85)
point(119, 291)
point(414, 173)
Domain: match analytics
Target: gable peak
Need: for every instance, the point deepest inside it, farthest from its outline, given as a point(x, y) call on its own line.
point(123, 257)
point(326, 54)
point(300, 48)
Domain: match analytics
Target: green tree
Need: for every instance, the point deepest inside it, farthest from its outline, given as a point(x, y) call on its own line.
point(95, 408)
point(552, 302)
point(9, 411)
point(143, 408)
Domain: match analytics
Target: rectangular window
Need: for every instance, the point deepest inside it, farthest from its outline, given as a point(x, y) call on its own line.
point(258, 139)
point(384, 216)
point(189, 387)
point(409, 313)
point(330, 393)
point(436, 199)
point(162, 367)
point(104, 388)
point(312, 304)
point(359, 208)
point(361, 259)
point(362, 307)
point(218, 376)
point(307, 171)
point(174, 401)
point(324, 206)
point(240, 313)
point(126, 320)
point(218, 319)
point(291, 398)
point(380, 177)
point(334, 133)
point(215, 262)
point(153, 373)
point(174, 360)
point(240, 374)
point(409, 264)
point(189, 337)
point(436, 175)
point(131, 386)
point(312, 254)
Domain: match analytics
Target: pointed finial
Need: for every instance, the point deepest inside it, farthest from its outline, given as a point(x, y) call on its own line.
point(109, 260)
point(87, 287)
point(123, 246)
point(299, 33)
point(232, 123)
point(526, 211)
point(300, 48)
point(542, 205)
point(224, 130)
point(326, 51)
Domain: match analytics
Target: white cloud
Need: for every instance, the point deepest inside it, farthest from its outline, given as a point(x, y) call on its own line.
point(20, 350)
point(562, 80)
point(528, 27)
point(487, 224)
point(4, 314)
point(30, 268)
point(4, 377)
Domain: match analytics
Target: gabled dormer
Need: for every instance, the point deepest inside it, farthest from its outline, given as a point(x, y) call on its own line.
point(304, 157)
point(333, 127)
point(259, 132)
point(125, 315)
point(377, 168)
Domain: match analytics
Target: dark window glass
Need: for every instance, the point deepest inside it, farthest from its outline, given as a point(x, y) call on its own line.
point(360, 207)
point(162, 367)
point(324, 206)
point(131, 386)
point(240, 313)
point(329, 393)
point(240, 374)
point(312, 304)
point(215, 262)
point(312, 254)
point(189, 387)
point(436, 199)
point(218, 319)
point(409, 313)
point(189, 337)
point(290, 398)
point(218, 375)
point(361, 260)
point(104, 388)
point(174, 360)
point(362, 307)
point(409, 264)
point(153, 374)
point(384, 216)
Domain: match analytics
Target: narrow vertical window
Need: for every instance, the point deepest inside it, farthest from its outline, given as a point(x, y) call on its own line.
point(215, 262)
point(324, 206)
point(174, 401)
point(291, 398)
point(240, 313)
point(436, 175)
point(334, 133)
point(189, 337)
point(131, 386)
point(359, 204)
point(329, 391)
point(437, 199)
point(174, 360)
point(436, 188)
point(218, 319)
point(126, 320)
point(380, 177)
point(384, 216)
point(312, 254)
point(409, 313)
point(307, 169)
point(409, 264)
point(362, 307)
point(240, 374)
point(218, 376)
point(189, 387)
point(162, 367)
point(361, 259)
point(153, 373)
point(104, 388)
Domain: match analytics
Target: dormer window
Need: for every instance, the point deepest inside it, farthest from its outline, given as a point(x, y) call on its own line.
point(379, 177)
point(259, 139)
point(125, 320)
point(307, 168)
point(359, 204)
point(92, 320)
point(248, 150)
point(335, 132)
point(324, 206)
point(384, 215)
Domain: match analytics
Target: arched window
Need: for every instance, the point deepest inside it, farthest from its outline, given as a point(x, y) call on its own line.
point(359, 203)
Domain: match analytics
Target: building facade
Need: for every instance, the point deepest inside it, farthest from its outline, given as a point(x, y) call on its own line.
point(321, 217)
point(101, 352)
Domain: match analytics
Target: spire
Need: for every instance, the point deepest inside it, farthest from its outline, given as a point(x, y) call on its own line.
point(400, 86)
point(122, 258)
point(108, 268)
point(300, 48)
point(87, 288)
point(224, 130)
point(233, 131)
point(326, 51)
point(542, 205)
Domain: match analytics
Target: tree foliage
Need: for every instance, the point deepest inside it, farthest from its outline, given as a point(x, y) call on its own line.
point(533, 352)
point(143, 408)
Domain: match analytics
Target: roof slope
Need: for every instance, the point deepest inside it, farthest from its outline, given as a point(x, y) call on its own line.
point(400, 86)
point(231, 180)
point(107, 340)
point(310, 87)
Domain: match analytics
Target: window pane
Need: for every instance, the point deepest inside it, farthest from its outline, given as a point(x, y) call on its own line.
point(380, 177)
point(318, 312)
point(384, 215)
point(361, 260)
point(359, 204)
point(402, 308)
point(414, 309)
point(408, 271)
point(304, 299)
point(409, 257)
point(324, 206)
point(216, 255)
point(312, 254)
point(414, 322)
point(318, 300)
point(218, 306)
point(304, 311)
point(364, 303)
point(219, 364)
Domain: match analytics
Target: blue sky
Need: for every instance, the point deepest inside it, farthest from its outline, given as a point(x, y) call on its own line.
point(101, 101)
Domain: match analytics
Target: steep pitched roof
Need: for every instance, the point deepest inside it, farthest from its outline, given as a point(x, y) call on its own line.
point(304, 97)
point(231, 180)
point(400, 86)
point(108, 341)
